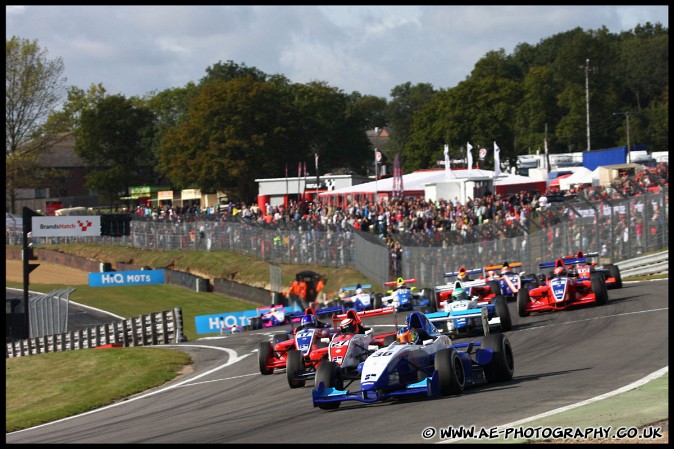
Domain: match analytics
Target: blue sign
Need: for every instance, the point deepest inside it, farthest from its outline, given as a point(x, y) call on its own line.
point(124, 278)
point(208, 324)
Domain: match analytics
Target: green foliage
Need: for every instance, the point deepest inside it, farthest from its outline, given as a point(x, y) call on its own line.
point(114, 139)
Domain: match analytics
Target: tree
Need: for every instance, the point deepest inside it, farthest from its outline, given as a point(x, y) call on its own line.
point(34, 85)
point(406, 100)
point(114, 139)
point(235, 132)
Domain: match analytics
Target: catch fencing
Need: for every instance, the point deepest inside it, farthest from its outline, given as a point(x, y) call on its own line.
point(619, 228)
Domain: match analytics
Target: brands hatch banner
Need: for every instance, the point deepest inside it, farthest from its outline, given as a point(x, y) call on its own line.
point(72, 226)
point(125, 278)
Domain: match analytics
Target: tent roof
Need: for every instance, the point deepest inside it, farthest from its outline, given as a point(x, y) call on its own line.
point(417, 181)
point(583, 176)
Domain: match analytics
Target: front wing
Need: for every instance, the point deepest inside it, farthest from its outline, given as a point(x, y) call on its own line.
point(429, 386)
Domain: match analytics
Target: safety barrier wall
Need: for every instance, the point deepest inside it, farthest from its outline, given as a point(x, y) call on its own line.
point(145, 330)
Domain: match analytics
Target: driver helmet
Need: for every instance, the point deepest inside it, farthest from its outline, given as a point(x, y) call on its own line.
point(401, 282)
point(560, 271)
point(491, 274)
point(462, 273)
point(348, 326)
point(407, 335)
point(359, 289)
point(459, 294)
point(505, 268)
point(309, 321)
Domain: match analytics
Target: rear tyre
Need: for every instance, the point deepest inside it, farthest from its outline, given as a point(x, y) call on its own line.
point(522, 300)
point(377, 300)
point(614, 272)
point(599, 288)
point(451, 375)
point(256, 323)
point(502, 364)
point(264, 353)
point(495, 287)
point(503, 313)
point(330, 375)
point(295, 366)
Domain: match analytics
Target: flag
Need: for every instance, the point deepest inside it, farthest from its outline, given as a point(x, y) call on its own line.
point(286, 171)
point(547, 158)
point(497, 160)
point(447, 168)
point(316, 157)
point(469, 156)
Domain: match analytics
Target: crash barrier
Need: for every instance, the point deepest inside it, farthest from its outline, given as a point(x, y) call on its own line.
point(620, 228)
point(241, 291)
point(48, 313)
point(145, 330)
point(646, 265)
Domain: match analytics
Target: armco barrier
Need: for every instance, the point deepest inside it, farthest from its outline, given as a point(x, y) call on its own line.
point(145, 330)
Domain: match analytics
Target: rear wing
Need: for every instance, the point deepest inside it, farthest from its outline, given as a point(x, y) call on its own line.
point(481, 313)
point(388, 310)
point(352, 288)
point(323, 311)
point(566, 261)
point(464, 284)
point(451, 274)
point(499, 266)
point(405, 281)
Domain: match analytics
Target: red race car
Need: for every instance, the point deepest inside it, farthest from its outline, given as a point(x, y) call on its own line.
point(350, 346)
point(311, 335)
point(610, 271)
point(563, 289)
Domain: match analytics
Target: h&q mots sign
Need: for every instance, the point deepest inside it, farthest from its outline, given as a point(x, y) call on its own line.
point(70, 226)
point(124, 278)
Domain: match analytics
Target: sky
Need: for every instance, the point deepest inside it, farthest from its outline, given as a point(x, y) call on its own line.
point(134, 50)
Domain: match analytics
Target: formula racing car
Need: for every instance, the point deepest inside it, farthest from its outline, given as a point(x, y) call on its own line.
point(405, 298)
point(349, 346)
point(562, 290)
point(310, 335)
point(465, 315)
point(420, 362)
point(583, 269)
point(360, 297)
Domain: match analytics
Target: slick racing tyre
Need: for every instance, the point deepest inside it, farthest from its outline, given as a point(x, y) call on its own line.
point(495, 287)
point(599, 288)
point(377, 300)
point(522, 300)
point(256, 323)
point(503, 313)
point(614, 272)
point(294, 367)
point(451, 375)
point(264, 353)
point(330, 374)
point(502, 364)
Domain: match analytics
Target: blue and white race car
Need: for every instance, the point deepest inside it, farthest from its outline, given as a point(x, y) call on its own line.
point(428, 365)
point(406, 298)
point(360, 297)
point(465, 315)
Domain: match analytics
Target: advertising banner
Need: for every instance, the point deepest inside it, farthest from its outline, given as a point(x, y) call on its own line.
point(126, 278)
point(208, 324)
point(67, 226)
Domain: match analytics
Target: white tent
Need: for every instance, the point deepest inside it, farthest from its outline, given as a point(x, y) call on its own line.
point(582, 175)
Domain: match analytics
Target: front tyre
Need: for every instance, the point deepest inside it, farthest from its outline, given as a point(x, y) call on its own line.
point(264, 353)
point(502, 364)
point(599, 288)
point(451, 375)
point(330, 374)
point(294, 367)
point(503, 313)
point(523, 299)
